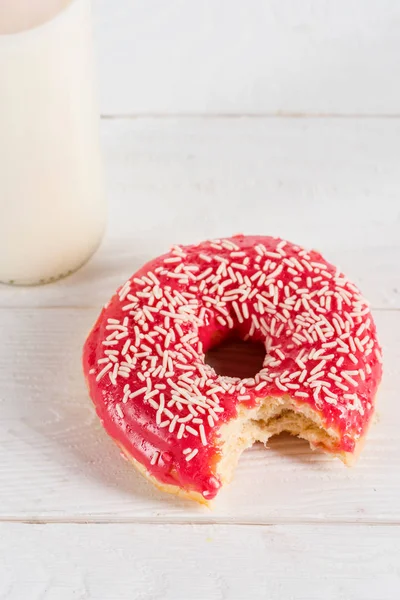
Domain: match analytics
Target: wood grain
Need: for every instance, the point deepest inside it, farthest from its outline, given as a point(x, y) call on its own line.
point(56, 463)
point(326, 183)
point(161, 562)
point(227, 56)
point(331, 184)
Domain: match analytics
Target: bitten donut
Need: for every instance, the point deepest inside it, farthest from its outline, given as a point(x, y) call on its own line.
point(182, 425)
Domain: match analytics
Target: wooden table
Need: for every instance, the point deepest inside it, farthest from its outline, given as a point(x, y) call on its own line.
point(76, 521)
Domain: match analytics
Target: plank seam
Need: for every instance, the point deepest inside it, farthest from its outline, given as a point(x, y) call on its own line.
point(246, 115)
point(190, 521)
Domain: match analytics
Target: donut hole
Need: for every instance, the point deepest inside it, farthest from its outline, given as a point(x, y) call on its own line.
point(234, 357)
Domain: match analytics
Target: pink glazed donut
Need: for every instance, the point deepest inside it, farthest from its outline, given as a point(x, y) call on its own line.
point(183, 425)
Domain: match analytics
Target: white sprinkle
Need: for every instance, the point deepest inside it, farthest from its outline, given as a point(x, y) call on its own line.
point(168, 339)
point(229, 245)
point(256, 275)
point(353, 358)
point(360, 329)
point(342, 386)
point(153, 278)
point(300, 363)
point(315, 376)
point(245, 310)
point(191, 430)
point(329, 393)
point(122, 374)
point(138, 392)
point(301, 394)
point(124, 290)
point(192, 454)
point(126, 347)
point(329, 344)
point(115, 329)
point(181, 431)
point(280, 385)
point(365, 340)
point(303, 375)
point(280, 247)
point(271, 254)
point(239, 266)
point(237, 311)
point(154, 458)
point(293, 386)
point(353, 345)
point(337, 326)
point(106, 359)
point(172, 425)
point(335, 377)
point(203, 435)
point(204, 274)
point(349, 378)
point(104, 371)
point(319, 367)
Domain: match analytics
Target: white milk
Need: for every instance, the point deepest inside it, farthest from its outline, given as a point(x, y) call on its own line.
point(19, 15)
point(52, 208)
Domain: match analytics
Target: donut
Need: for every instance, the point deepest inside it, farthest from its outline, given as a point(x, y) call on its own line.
point(184, 426)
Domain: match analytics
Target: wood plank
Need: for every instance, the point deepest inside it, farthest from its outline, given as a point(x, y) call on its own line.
point(325, 183)
point(231, 57)
point(57, 463)
point(103, 562)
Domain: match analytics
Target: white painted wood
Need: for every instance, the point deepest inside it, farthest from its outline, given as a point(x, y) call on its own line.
point(332, 184)
point(326, 183)
point(56, 463)
point(229, 56)
point(160, 562)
